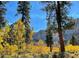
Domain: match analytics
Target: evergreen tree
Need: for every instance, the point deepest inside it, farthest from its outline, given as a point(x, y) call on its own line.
point(2, 13)
point(73, 40)
point(48, 9)
point(23, 9)
point(59, 10)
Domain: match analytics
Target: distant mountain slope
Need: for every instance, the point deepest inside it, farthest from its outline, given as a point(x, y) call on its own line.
point(39, 35)
point(67, 35)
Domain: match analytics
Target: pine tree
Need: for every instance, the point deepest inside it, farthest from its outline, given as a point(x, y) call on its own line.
point(2, 13)
point(59, 10)
point(23, 9)
point(48, 9)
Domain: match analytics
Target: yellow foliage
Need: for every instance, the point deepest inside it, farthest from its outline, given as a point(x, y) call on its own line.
point(38, 49)
point(13, 48)
point(7, 44)
point(31, 34)
point(6, 29)
point(28, 56)
point(19, 30)
point(1, 39)
point(41, 42)
point(45, 50)
point(72, 48)
point(19, 25)
point(1, 48)
point(55, 49)
point(0, 30)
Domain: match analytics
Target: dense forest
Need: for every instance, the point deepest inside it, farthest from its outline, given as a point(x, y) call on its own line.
point(19, 40)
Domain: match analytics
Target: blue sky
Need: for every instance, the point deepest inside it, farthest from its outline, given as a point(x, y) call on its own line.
point(38, 17)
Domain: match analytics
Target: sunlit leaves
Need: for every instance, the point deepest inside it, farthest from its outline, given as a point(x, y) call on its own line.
point(19, 30)
point(1, 39)
point(31, 35)
point(1, 48)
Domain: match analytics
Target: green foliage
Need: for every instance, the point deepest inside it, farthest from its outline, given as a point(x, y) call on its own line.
point(48, 9)
point(49, 38)
point(73, 40)
point(2, 13)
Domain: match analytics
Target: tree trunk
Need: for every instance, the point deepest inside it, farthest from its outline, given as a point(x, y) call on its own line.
point(50, 48)
point(59, 20)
